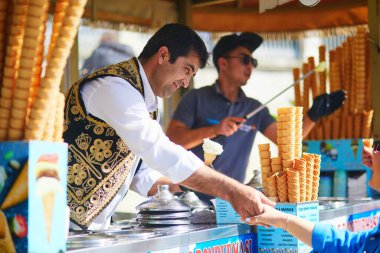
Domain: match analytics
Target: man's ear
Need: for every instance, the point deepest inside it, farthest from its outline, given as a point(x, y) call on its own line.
point(221, 62)
point(163, 55)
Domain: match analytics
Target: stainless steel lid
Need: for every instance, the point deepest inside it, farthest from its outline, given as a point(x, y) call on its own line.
point(192, 200)
point(165, 222)
point(163, 200)
point(163, 216)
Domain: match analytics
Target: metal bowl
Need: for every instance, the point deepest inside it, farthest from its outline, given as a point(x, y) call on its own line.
point(192, 200)
point(163, 200)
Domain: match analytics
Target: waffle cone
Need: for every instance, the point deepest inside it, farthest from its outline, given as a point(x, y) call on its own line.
point(209, 158)
point(264, 147)
point(282, 188)
point(272, 187)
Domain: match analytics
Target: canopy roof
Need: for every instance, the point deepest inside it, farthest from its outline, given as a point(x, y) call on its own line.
point(229, 15)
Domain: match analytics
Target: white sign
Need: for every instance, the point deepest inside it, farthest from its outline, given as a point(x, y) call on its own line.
point(309, 3)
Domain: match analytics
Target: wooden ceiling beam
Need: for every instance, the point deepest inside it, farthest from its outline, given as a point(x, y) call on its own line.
point(339, 5)
point(279, 21)
point(205, 3)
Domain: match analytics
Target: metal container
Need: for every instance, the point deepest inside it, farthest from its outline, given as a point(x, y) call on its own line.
point(163, 200)
point(192, 200)
point(89, 240)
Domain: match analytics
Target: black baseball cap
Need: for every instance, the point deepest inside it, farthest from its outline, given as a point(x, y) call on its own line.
point(251, 41)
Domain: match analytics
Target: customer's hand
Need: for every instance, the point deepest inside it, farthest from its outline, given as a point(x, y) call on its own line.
point(228, 126)
point(270, 217)
point(248, 202)
point(374, 183)
point(367, 157)
point(326, 104)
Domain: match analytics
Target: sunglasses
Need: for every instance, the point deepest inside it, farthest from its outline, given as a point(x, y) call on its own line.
point(245, 59)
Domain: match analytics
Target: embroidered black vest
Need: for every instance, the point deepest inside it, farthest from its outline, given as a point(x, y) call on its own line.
point(99, 160)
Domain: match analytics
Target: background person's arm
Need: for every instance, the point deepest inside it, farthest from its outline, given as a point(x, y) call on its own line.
point(188, 138)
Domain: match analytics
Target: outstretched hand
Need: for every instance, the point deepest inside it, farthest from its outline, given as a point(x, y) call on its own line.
point(325, 104)
point(249, 202)
point(270, 217)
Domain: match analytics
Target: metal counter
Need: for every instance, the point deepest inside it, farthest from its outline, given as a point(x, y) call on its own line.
point(172, 237)
point(161, 238)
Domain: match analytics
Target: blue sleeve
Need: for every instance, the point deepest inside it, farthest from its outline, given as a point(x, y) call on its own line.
point(326, 238)
point(266, 120)
point(186, 109)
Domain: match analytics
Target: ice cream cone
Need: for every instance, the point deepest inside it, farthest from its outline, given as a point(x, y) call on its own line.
point(48, 206)
point(210, 150)
point(19, 191)
point(209, 158)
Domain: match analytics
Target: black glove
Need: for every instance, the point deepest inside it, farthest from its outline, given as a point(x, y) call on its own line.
point(325, 104)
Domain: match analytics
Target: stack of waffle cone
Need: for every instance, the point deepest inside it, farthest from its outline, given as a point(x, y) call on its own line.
point(309, 175)
point(12, 63)
point(316, 173)
point(68, 18)
point(300, 166)
point(298, 132)
point(297, 88)
point(360, 42)
point(30, 66)
point(264, 153)
point(293, 183)
point(286, 128)
point(282, 188)
point(276, 163)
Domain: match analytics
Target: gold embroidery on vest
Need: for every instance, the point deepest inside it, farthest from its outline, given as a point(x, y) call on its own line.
point(99, 161)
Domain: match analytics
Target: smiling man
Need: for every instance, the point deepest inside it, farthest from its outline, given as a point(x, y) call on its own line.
point(115, 140)
point(217, 111)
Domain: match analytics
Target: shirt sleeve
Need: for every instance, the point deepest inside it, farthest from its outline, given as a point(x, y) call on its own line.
point(115, 101)
point(326, 238)
point(266, 120)
point(186, 109)
point(144, 179)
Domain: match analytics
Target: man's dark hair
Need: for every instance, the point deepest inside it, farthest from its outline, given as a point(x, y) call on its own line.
point(180, 40)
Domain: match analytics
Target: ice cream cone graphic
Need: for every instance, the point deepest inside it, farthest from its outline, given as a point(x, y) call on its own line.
point(211, 149)
point(355, 147)
point(47, 186)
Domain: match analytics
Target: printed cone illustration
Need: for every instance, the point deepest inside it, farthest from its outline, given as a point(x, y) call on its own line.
point(209, 158)
point(47, 186)
point(48, 205)
point(6, 242)
point(19, 191)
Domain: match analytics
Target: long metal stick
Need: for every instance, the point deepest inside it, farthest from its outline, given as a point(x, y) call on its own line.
point(261, 107)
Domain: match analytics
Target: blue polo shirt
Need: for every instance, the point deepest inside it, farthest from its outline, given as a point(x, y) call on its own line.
point(207, 106)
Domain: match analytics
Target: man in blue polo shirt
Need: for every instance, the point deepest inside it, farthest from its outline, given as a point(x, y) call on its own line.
point(217, 111)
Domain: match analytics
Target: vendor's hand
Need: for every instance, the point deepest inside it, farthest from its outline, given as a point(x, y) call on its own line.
point(270, 217)
point(248, 202)
point(326, 104)
point(228, 126)
point(367, 157)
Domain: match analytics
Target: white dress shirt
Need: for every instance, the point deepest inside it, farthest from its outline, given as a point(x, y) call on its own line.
point(121, 106)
